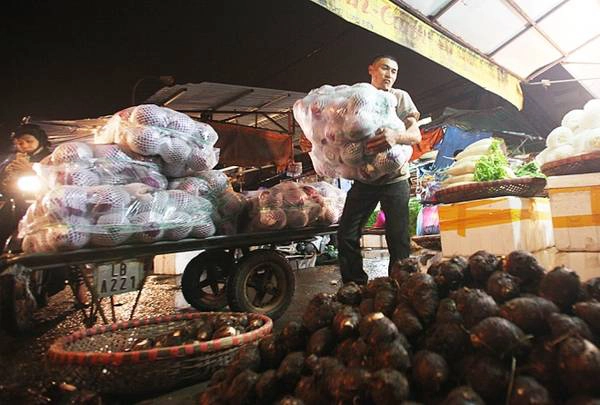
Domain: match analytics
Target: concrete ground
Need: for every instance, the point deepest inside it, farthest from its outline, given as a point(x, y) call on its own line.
point(28, 378)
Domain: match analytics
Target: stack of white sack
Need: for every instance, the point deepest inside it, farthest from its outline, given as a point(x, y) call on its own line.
point(73, 217)
point(87, 165)
point(339, 120)
point(184, 145)
point(294, 205)
point(214, 186)
point(578, 134)
point(462, 171)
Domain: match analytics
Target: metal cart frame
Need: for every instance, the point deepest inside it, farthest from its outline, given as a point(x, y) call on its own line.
point(238, 262)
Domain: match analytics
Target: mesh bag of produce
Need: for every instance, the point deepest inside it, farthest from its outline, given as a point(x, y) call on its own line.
point(208, 184)
point(339, 120)
point(71, 152)
point(101, 171)
point(295, 205)
point(72, 217)
point(229, 206)
point(333, 201)
point(214, 186)
point(184, 145)
point(88, 165)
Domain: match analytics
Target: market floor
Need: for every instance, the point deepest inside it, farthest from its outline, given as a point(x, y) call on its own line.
point(29, 380)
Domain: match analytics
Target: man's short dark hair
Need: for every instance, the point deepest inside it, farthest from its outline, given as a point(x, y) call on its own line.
point(383, 56)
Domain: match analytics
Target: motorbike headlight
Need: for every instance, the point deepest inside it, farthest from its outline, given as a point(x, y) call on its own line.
point(29, 184)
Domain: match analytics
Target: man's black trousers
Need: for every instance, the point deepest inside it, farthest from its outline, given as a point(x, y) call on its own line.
point(360, 203)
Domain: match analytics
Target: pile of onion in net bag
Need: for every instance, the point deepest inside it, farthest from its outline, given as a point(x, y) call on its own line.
point(87, 165)
point(214, 186)
point(99, 196)
point(73, 217)
point(339, 120)
point(295, 205)
point(185, 146)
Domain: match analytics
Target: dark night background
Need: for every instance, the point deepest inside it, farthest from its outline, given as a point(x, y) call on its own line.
point(81, 59)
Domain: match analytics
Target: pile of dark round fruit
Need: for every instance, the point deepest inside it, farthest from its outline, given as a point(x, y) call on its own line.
point(469, 331)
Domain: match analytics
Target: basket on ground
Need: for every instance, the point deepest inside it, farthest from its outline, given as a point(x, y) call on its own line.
point(520, 187)
point(587, 163)
point(97, 358)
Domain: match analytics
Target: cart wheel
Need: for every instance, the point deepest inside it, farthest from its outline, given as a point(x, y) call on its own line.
point(264, 283)
point(204, 280)
point(18, 304)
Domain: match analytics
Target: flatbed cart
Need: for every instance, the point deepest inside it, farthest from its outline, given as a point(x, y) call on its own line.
point(244, 271)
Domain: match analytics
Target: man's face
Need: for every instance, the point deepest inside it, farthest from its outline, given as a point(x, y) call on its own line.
point(26, 144)
point(383, 73)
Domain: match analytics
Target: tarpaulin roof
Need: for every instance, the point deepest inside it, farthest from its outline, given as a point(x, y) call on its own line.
point(496, 44)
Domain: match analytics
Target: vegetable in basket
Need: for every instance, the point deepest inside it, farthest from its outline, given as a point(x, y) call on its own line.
point(493, 165)
point(531, 169)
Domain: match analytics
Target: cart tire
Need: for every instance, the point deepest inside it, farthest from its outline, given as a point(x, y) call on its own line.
point(262, 274)
point(204, 280)
point(18, 305)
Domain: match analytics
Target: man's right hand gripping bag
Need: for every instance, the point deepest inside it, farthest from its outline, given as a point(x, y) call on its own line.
point(340, 120)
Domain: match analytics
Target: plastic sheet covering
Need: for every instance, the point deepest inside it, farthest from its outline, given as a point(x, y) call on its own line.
point(185, 146)
point(428, 221)
point(295, 205)
point(86, 165)
point(72, 217)
point(338, 120)
point(214, 186)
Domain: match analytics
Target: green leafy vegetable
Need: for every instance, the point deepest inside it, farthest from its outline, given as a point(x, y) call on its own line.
point(530, 169)
point(493, 165)
point(414, 206)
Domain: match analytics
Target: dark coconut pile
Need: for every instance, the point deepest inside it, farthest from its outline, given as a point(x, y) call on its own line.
point(476, 331)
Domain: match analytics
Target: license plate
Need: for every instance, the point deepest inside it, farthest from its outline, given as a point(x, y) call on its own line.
point(118, 278)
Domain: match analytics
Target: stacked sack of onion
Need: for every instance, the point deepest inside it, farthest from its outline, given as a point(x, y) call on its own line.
point(87, 165)
point(72, 217)
point(295, 205)
point(214, 186)
point(185, 146)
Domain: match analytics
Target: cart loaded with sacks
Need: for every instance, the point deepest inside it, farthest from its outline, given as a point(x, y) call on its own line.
point(243, 271)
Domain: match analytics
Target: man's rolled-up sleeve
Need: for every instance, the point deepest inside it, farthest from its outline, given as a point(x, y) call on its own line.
point(406, 107)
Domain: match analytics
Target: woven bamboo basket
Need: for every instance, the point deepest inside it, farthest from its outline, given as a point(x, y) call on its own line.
point(587, 163)
point(520, 187)
point(97, 359)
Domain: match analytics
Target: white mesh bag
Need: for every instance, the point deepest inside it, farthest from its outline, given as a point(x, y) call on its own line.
point(339, 121)
point(111, 230)
point(71, 152)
